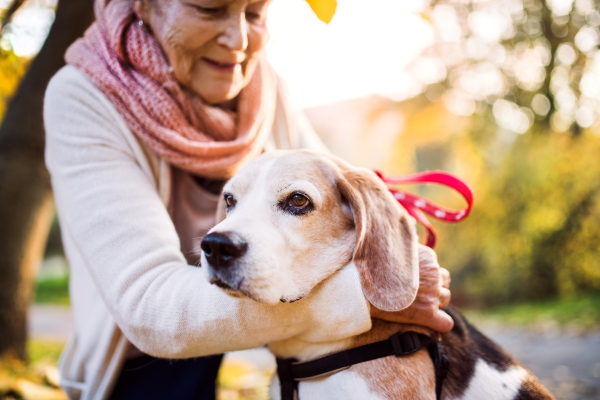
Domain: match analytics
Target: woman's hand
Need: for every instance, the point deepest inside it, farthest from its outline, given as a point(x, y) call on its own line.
point(433, 294)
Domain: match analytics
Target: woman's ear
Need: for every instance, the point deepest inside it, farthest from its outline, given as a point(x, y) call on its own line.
point(385, 253)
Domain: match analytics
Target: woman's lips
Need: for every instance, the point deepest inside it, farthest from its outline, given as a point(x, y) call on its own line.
point(220, 65)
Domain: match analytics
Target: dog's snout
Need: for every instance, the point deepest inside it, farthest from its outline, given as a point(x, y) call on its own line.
point(222, 249)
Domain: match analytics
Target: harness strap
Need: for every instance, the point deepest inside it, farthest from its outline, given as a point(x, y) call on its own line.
point(400, 344)
point(441, 363)
point(289, 385)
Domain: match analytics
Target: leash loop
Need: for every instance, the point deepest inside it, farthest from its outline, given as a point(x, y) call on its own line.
point(418, 206)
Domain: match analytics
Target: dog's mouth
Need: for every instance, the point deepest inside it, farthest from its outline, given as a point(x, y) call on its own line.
point(227, 288)
point(222, 284)
point(282, 300)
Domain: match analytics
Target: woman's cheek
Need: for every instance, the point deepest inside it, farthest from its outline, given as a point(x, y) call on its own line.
point(182, 62)
point(184, 47)
point(258, 37)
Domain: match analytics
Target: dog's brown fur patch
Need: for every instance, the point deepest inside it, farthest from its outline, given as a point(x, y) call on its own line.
point(408, 377)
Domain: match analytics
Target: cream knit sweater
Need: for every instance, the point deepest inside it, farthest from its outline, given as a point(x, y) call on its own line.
point(130, 282)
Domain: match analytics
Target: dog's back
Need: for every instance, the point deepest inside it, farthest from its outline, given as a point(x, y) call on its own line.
point(480, 369)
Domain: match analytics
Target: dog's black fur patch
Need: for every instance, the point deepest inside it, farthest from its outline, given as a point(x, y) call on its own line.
point(465, 345)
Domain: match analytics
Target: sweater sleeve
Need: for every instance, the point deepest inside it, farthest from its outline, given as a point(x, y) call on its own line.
point(111, 209)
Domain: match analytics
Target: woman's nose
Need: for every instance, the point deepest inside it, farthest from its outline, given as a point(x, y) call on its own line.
point(235, 34)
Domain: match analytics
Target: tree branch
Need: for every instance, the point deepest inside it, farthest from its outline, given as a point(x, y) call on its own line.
point(14, 6)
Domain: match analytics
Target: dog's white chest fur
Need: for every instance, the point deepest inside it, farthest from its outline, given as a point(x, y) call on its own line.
point(490, 384)
point(343, 385)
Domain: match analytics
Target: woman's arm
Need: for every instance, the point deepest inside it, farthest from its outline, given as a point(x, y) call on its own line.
point(125, 236)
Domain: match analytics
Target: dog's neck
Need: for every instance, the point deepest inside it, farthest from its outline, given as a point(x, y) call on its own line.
point(302, 350)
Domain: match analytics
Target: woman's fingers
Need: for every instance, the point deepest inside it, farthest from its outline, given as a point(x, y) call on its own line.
point(442, 322)
point(444, 297)
point(445, 278)
point(436, 320)
point(427, 256)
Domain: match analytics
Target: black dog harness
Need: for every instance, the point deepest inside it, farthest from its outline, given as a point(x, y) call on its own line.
point(291, 372)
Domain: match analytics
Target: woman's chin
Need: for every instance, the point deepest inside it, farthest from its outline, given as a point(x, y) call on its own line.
point(217, 91)
point(220, 97)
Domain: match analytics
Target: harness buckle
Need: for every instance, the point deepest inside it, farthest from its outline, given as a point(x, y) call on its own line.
point(405, 343)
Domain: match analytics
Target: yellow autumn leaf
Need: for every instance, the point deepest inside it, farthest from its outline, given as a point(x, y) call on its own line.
point(325, 9)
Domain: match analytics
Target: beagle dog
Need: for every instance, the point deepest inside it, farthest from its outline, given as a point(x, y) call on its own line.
point(293, 218)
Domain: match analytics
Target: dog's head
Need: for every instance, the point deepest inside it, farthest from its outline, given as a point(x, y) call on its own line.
point(295, 217)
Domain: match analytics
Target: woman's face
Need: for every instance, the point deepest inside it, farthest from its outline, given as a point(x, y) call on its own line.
point(212, 45)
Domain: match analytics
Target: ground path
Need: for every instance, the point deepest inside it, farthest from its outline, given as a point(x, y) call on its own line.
point(568, 363)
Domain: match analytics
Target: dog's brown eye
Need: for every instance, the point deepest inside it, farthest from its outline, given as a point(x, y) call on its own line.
point(296, 204)
point(229, 200)
point(298, 201)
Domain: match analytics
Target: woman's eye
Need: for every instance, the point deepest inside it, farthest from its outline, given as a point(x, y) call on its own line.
point(253, 16)
point(211, 11)
point(229, 200)
point(256, 11)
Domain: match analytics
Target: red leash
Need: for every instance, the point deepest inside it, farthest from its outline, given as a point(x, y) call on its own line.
point(416, 206)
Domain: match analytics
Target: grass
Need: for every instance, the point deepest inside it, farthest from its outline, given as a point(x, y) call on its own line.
point(582, 312)
point(44, 351)
point(53, 291)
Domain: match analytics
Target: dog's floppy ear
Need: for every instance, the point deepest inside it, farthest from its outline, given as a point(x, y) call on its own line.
point(386, 251)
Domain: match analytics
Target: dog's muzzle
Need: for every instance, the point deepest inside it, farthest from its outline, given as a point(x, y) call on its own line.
point(222, 249)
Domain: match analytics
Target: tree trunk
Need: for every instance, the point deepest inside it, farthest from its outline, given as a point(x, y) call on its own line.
point(25, 196)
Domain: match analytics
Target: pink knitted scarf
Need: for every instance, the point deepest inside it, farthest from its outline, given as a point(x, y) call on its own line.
point(127, 64)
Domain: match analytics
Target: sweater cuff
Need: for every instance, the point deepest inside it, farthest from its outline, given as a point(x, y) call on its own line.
point(343, 308)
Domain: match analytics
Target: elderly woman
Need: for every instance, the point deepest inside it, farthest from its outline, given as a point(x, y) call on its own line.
point(160, 103)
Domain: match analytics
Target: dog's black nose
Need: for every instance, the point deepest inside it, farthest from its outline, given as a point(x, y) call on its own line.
point(222, 249)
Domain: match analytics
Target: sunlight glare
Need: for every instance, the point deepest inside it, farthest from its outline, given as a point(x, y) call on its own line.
point(363, 51)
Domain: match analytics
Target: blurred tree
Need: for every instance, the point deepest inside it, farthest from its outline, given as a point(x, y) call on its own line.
point(25, 197)
point(524, 60)
point(511, 101)
point(12, 8)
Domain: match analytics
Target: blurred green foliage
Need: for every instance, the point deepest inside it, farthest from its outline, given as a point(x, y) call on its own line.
point(44, 351)
point(511, 102)
point(53, 290)
point(580, 314)
point(534, 233)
